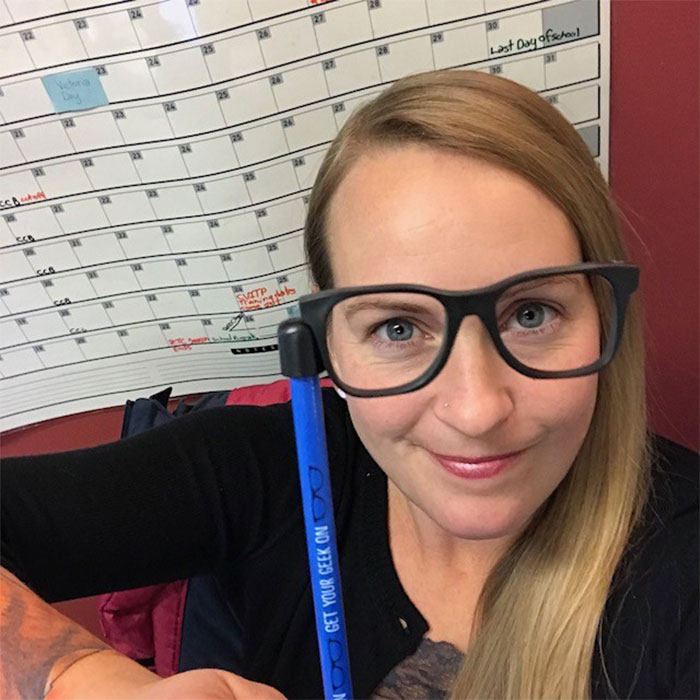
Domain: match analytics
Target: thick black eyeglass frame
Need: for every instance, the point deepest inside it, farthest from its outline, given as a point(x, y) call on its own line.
point(623, 278)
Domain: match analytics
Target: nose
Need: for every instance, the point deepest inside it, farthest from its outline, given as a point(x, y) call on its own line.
point(474, 392)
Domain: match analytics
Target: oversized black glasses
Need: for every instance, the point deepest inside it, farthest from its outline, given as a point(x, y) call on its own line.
point(548, 323)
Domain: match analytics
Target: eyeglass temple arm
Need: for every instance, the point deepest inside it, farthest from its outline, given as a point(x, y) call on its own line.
point(302, 363)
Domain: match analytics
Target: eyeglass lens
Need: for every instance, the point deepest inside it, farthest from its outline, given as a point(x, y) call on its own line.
point(552, 323)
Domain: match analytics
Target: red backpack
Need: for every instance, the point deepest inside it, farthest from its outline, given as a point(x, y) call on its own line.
point(188, 624)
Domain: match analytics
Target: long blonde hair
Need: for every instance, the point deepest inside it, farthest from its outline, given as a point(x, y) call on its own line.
point(539, 614)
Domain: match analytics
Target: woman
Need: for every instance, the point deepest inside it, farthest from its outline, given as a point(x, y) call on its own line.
point(567, 570)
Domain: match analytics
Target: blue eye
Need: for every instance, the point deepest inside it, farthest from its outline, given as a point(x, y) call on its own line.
point(396, 329)
point(530, 315)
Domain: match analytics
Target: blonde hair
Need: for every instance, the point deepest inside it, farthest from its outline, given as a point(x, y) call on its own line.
point(539, 614)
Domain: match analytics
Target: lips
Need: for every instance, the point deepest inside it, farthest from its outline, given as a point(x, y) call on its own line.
point(476, 467)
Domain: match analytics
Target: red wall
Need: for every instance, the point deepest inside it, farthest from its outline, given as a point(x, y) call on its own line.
point(654, 176)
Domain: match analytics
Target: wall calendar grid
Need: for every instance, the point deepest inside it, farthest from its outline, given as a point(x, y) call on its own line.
point(144, 238)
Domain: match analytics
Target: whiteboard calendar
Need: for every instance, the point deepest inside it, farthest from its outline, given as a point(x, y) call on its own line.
point(156, 157)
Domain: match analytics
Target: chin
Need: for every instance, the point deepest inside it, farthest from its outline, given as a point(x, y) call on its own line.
point(480, 522)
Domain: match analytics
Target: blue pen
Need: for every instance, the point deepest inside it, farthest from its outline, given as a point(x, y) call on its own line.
point(301, 363)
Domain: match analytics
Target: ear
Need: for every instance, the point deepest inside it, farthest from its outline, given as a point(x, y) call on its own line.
point(315, 288)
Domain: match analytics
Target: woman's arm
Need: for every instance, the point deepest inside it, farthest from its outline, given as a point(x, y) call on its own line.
point(41, 648)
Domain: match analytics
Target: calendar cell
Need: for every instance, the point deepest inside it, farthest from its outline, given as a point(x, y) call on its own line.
point(132, 309)
point(63, 178)
point(260, 9)
point(128, 207)
point(499, 5)
point(20, 183)
point(248, 263)
point(449, 10)
point(169, 304)
point(260, 143)
point(182, 69)
point(143, 241)
point(570, 21)
point(110, 170)
point(273, 181)
point(6, 237)
point(13, 52)
point(159, 163)
point(96, 249)
point(342, 26)
point(24, 100)
point(197, 115)
point(209, 155)
point(579, 105)
point(301, 86)
point(55, 256)
point(234, 57)
point(215, 300)
point(96, 130)
point(35, 223)
point(215, 15)
point(571, 65)
point(460, 46)
point(353, 71)
point(142, 338)
point(311, 128)
point(23, 10)
point(392, 16)
point(25, 296)
point(82, 215)
point(54, 44)
point(115, 280)
point(282, 218)
point(248, 101)
point(189, 237)
point(528, 71)
point(289, 252)
point(99, 345)
point(175, 200)
point(15, 266)
point(163, 23)
point(153, 274)
point(44, 326)
point(11, 334)
point(223, 194)
point(515, 34)
point(147, 123)
point(203, 269)
point(306, 169)
point(9, 153)
point(5, 16)
point(44, 141)
point(109, 33)
point(86, 317)
point(235, 230)
point(60, 352)
point(183, 335)
point(127, 80)
point(20, 361)
point(406, 57)
point(591, 135)
point(74, 287)
point(289, 41)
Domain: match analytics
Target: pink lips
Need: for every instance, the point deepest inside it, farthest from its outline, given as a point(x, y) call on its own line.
point(476, 467)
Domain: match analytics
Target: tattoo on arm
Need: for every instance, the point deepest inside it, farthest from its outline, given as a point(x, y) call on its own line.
point(35, 637)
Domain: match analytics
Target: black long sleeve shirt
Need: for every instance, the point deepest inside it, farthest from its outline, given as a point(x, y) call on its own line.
point(218, 491)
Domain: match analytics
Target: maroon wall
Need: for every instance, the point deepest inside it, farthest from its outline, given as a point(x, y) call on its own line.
point(654, 177)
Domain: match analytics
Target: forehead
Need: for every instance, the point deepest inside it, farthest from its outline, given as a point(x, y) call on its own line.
point(428, 216)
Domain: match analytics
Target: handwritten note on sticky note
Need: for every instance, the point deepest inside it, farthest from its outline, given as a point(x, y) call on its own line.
point(75, 90)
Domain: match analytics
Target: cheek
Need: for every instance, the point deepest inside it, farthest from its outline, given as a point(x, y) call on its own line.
point(566, 405)
point(384, 418)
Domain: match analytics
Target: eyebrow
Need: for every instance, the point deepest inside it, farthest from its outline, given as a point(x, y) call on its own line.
point(355, 307)
point(516, 287)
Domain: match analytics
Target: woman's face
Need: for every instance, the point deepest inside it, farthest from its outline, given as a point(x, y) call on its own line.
point(424, 216)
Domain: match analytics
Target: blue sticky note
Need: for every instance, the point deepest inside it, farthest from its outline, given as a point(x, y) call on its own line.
point(75, 90)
